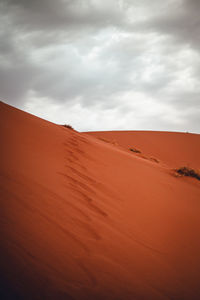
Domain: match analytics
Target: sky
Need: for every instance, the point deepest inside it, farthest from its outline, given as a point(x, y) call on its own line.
point(103, 64)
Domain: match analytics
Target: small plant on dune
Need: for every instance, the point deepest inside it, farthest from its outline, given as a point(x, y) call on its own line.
point(68, 126)
point(134, 150)
point(154, 159)
point(186, 171)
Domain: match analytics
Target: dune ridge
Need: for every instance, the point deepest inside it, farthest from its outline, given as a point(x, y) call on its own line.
point(173, 149)
point(82, 218)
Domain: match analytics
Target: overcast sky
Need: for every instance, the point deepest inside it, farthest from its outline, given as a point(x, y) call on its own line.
point(103, 64)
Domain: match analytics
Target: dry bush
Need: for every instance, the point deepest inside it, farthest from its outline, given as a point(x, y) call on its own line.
point(186, 171)
point(68, 126)
point(154, 159)
point(134, 150)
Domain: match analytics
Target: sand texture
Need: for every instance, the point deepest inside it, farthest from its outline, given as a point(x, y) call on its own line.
point(83, 217)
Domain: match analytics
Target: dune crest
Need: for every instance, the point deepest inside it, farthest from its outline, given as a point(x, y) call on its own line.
point(82, 218)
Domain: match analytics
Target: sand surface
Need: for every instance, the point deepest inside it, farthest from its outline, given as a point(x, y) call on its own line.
point(171, 148)
point(83, 217)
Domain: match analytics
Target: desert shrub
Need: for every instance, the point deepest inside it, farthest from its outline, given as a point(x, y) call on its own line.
point(134, 150)
point(68, 126)
point(154, 159)
point(186, 171)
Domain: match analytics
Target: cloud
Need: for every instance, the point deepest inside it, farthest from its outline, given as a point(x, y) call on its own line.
point(123, 64)
point(178, 19)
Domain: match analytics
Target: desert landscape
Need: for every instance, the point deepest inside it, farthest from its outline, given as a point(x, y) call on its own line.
point(97, 215)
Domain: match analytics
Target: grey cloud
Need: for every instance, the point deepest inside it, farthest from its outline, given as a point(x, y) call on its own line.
point(62, 15)
point(182, 23)
point(45, 24)
point(15, 83)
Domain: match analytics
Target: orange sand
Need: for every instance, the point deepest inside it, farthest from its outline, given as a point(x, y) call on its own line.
point(171, 148)
point(82, 218)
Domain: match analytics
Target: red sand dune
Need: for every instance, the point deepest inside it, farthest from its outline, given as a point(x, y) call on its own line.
point(82, 218)
point(171, 148)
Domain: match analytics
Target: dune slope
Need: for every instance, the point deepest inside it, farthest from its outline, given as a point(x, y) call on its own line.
point(85, 219)
point(173, 149)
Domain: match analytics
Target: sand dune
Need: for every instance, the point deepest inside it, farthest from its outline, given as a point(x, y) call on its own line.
point(171, 148)
point(85, 218)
